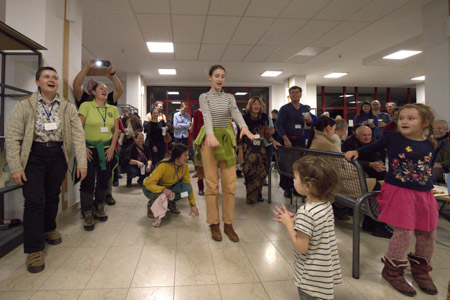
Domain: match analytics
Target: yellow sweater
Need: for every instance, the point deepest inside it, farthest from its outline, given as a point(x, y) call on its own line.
point(164, 176)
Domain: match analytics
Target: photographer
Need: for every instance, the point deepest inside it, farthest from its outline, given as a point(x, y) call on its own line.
point(83, 96)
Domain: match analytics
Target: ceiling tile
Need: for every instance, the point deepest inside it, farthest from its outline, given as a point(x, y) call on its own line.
point(156, 28)
point(340, 9)
point(303, 9)
point(280, 31)
point(339, 33)
point(310, 32)
point(250, 30)
point(186, 51)
point(162, 56)
point(219, 30)
point(188, 29)
point(260, 53)
point(211, 52)
point(376, 10)
point(266, 8)
point(150, 6)
point(189, 7)
point(235, 52)
point(283, 54)
point(228, 7)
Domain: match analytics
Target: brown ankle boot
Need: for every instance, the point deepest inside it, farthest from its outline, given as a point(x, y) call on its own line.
point(419, 270)
point(393, 273)
point(228, 229)
point(215, 232)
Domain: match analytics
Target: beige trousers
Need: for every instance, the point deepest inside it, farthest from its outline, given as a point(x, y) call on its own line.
point(228, 181)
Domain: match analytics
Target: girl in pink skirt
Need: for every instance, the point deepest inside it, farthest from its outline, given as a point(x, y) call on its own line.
point(406, 199)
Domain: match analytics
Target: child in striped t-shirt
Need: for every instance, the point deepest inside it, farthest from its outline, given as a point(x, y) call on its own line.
point(316, 267)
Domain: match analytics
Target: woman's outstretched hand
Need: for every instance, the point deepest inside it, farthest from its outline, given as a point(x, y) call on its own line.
point(246, 132)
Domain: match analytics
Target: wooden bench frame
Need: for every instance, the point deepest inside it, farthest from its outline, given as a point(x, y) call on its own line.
point(359, 204)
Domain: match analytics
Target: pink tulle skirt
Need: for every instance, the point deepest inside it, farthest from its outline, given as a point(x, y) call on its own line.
point(407, 209)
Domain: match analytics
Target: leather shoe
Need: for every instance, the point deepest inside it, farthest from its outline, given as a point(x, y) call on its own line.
point(201, 193)
point(228, 229)
point(215, 232)
point(110, 200)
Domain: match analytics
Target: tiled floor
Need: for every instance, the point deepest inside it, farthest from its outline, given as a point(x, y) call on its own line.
point(126, 258)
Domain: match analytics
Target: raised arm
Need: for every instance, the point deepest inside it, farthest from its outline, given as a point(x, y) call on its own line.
point(118, 89)
point(77, 84)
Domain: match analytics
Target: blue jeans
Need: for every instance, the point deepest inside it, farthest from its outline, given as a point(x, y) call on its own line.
point(177, 189)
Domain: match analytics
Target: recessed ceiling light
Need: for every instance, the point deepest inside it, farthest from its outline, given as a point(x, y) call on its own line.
point(271, 73)
point(346, 96)
point(173, 93)
point(419, 78)
point(240, 93)
point(156, 47)
point(335, 75)
point(402, 54)
point(167, 72)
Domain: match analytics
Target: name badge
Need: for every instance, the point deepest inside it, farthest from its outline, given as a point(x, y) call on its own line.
point(256, 142)
point(184, 194)
point(298, 126)
point(104, 129)
point(50, 126)
point(256, 136)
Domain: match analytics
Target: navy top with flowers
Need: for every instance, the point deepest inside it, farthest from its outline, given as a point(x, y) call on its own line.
point(410, 162)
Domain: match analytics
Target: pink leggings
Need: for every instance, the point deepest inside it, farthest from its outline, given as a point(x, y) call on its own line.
point(401, 239)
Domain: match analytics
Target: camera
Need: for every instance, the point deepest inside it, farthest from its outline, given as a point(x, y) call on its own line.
point(102, 63)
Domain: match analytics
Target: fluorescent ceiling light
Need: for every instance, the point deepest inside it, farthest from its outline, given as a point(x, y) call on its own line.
point(419, 78)
point(167, 72)
point(271, 73)
point(173, 93)
point(335, 75)
point(176, 102)
point(402, 54)
point(240, 93)
point(156, 47)
point(346, 96)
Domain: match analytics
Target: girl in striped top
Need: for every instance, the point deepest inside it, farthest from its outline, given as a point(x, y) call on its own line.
point(316, 267)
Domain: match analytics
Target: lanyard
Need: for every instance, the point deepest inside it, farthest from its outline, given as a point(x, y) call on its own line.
point(176, 173)
point(48, 114)
point(103, 118)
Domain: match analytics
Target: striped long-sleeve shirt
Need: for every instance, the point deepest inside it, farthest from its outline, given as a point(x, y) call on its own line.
point(217, 108)
point(317, 271)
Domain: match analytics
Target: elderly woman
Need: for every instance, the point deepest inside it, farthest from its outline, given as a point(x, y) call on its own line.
point(171, 177)
point(42, 129)
point(253, 153)
point(321, 135)
point(101, 129)
point(138, 157)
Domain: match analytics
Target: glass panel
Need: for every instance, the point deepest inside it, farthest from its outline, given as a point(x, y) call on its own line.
point(334, 96)
point(400, 96)
point(350, 96)
point(194, 107)
point(173, 108)
point(242, 93)
point(319, 96)
point(262, 93)
point(156, 93)
point(195, 92)
point(241, 106)
point(365, 94)
point(334, 112)
point(382, 96)
point(177, 93)
point(413, 95)
point(351, 114)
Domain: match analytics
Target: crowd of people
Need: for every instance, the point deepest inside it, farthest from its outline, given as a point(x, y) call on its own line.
point(404, 146)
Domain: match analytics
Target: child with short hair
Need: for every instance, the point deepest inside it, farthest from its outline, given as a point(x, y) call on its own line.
point(316, 267)
point(406, 199)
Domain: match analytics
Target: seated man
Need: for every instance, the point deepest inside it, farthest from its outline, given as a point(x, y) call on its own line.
point(375, 168)
point(171, 177)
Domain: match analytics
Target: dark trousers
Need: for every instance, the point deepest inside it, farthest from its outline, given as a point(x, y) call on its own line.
point(287, 183)
point(45, 173)
point(159, 155)
point(96, 182)
point(134, 171)
point(181, 140)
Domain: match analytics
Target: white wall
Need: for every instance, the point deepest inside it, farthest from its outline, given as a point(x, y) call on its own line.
point(133, 96)
point(278, 96)
point(420, 92)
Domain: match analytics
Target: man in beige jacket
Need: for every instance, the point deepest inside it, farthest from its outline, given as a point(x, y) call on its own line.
point(39, 141)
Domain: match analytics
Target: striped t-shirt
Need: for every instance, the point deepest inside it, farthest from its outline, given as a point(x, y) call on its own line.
point(317, 271)
point(217, 108)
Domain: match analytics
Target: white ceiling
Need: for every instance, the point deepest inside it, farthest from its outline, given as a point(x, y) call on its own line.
point(251, 36)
